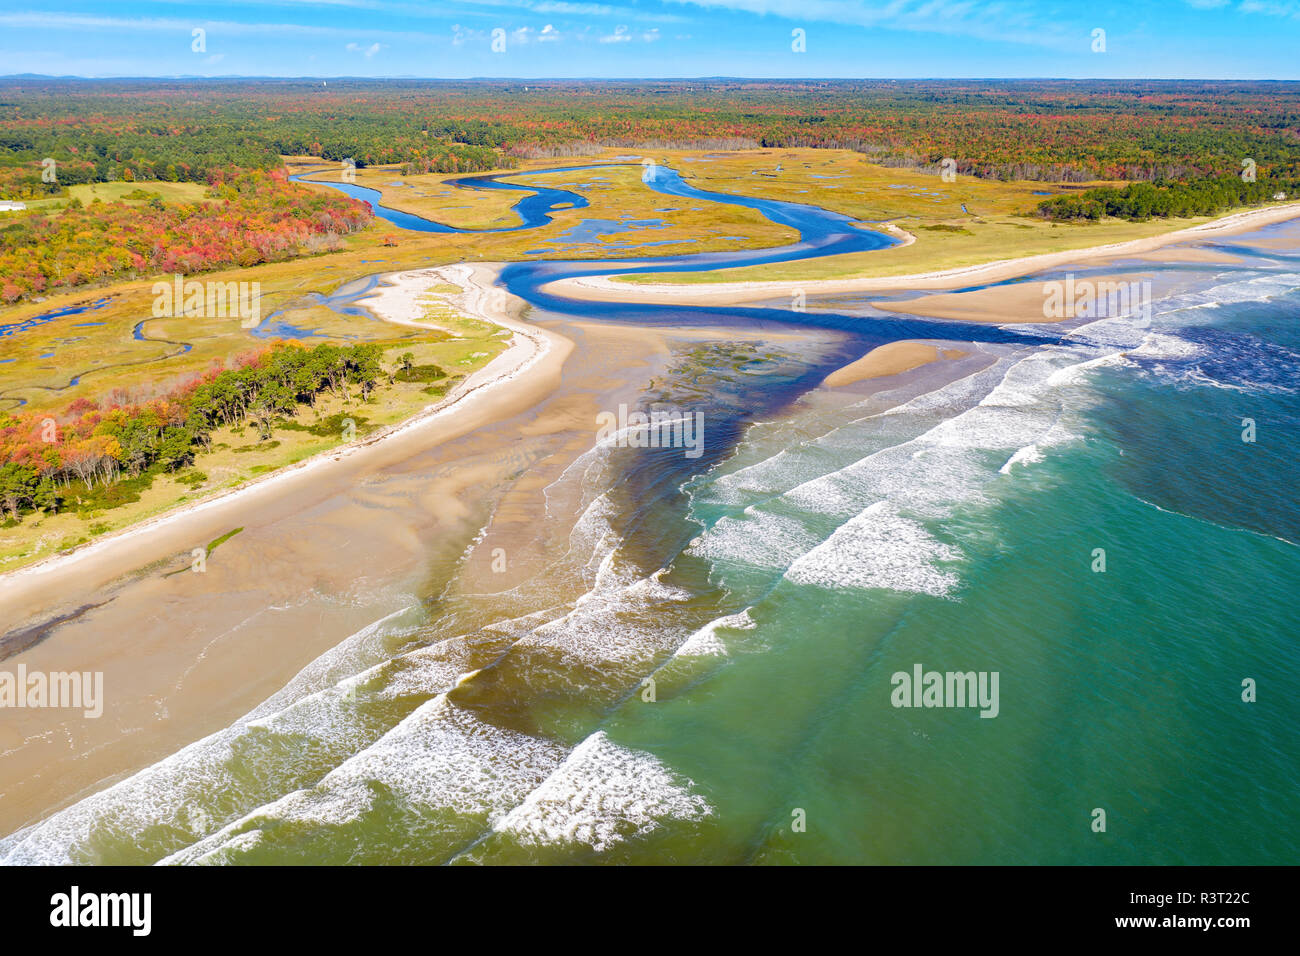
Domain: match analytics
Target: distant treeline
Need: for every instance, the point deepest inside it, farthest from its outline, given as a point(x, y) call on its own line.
point(90, 450)
point(1142, 201)
point(1051, 130)
point(99, 150)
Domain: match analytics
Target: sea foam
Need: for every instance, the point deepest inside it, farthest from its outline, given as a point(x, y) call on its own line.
point(600, 795)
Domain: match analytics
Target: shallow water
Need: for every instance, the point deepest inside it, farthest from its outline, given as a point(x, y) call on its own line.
point(708, 659)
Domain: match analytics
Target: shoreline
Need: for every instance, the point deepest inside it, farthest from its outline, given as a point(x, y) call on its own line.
point(605, 288)
point(233, 676)
point(326, 549)
point(396, 301)
point(528, 348)
point(320, 560)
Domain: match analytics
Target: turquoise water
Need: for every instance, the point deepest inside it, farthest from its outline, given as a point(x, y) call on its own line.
point(704, 673)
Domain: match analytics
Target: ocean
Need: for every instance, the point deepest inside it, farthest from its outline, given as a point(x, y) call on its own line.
point(1101, 515)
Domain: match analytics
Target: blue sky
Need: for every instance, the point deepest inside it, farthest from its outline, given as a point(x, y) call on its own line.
point(1248, 39)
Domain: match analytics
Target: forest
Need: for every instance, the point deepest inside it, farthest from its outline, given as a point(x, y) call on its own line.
point(1143, 201)
point(103, 456)
point(1048, 130)
point(250, 217)
point(231, 135)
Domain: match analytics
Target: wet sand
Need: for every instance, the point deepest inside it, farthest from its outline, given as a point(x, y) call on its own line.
point(1022, 303)
point(330, 547)
point(893, 358)
point(323, 553)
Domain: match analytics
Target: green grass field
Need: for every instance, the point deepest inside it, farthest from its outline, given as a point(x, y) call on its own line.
point(119, 191)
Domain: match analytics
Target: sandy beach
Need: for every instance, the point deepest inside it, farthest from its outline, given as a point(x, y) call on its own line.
point(326, 550)
point(321, 544)
point(337, 542)
point(608, 288)
point(1022, 303)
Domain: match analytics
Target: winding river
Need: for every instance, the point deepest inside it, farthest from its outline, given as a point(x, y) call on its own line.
point(711, 648)
point(822, 233)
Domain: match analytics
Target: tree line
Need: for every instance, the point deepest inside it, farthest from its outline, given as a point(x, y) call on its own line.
point(1054, 130)
point(1142, 201)
point(44, 460)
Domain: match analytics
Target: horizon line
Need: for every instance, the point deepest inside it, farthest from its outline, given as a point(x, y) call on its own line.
point(642, 79)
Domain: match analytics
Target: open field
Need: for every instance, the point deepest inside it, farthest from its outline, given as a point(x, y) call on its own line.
point(123, 192)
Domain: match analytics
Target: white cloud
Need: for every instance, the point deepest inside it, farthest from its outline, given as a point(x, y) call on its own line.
point(1285, 8)
point(460, 35)
point(620, 35)
point(1007, 21)
point(70, 21)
